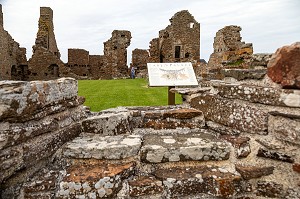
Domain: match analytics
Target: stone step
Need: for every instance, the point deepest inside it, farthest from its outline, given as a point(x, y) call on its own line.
point(179, 147)
point(103, 147)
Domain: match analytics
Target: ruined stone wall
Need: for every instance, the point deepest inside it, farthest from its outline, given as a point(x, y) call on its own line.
point(78, 62)
point(229, 48)
point(140, 58)
point(13, 58)
point(154, 51)
point(178, 42)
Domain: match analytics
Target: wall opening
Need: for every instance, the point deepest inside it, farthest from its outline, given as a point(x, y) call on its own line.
point(177, 51)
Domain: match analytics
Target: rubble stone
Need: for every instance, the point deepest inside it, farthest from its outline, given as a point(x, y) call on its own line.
point(284, 66)
point(242, 74)
point(241, 144)
point(274, 155)
point(174, 148)
point(269, 189)
point(249, 172)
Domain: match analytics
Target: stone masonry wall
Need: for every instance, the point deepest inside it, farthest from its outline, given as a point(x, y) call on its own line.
point(226, 141)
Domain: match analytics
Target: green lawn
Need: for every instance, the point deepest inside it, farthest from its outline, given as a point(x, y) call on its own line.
point(104, 94)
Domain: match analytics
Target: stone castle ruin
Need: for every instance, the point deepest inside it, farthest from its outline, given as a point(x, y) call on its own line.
point(227, 140)
point(235, 136)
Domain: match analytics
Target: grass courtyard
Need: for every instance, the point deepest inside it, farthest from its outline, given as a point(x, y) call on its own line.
point(104, 94)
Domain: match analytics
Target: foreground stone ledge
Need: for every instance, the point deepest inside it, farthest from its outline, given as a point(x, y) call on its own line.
point(107, 147)
point(234, 114)
point(202, 179)
point(94, 179)
point(24, 100)
point(174, 148)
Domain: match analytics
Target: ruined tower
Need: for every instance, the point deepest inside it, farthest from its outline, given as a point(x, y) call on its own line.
point(229, 48)
point(115, 51)
point(45, 62)
point(45, 36)
point(178, 42)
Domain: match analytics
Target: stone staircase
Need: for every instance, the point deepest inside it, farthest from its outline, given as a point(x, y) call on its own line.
point(168, 162)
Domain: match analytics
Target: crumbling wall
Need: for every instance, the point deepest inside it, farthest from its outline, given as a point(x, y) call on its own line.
point(115, 52)
point(45, 63)
point(229, 48)
point(13, 58)
point(179, 41)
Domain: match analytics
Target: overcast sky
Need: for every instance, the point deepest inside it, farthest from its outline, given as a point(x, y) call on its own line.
point(268, 24)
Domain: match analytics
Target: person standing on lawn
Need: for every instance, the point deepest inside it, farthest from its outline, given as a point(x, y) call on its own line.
point(132, 72)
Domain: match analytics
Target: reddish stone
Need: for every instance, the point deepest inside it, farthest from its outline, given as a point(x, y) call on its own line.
point(284, 66)
point(249, 172)
point(275, 155)
point(240, 143)
point(296, 167)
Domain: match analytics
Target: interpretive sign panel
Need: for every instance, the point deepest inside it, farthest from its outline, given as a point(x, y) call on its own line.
point(171, 74)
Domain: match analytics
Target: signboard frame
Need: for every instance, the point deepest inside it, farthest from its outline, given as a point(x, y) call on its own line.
point(171, 75)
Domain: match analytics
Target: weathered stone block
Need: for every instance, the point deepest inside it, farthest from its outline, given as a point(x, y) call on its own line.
point(284, 66)
point(108, 147)
point(284, 128)
point(45, 145)
point(172, 119)
point(269, 189)
point(231, 113)
point(248, 172)
point(108, 124)
point(94, 179)
point(145, 186)
point(257, 94)
point(174, 148)
point(275, 155)
point(23, 101)
point(195, 180)
point(296, 167)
